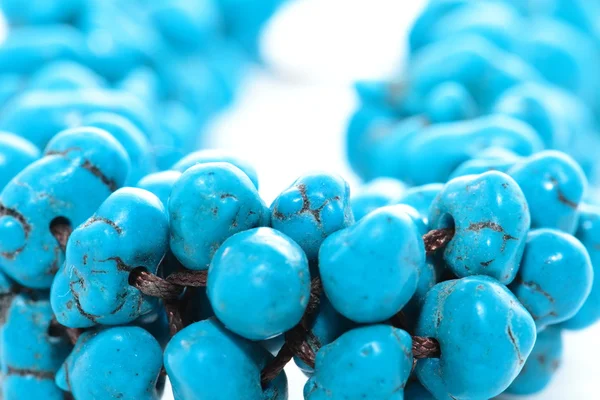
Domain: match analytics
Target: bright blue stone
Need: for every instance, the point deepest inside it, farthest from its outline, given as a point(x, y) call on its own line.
point(474, 318)
point(372, 362)
point(64, 75)
point(370, 270)
point(130, 230)
point(555, 277)
point(209, 203)
point(415, 391)
point(206, 361)
point(420, 198)
point(80, 169)
point(375, 194)
point(449, 102)
point(114, 363)
point(16, 153)
point(41, 12)
point(312, 208)
point(160, 184)
point(491, 219)
point(259, 283)
point(492, 159)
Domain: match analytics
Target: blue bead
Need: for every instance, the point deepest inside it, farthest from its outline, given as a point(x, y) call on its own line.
point(554, 185)
point(471, 317)
point(449, 102)
point(30, 356)
point(64, 75)
point(555, 277)
point(93, 285)
point(378, 193)
point(542, 364)
point(259, 283)
point(415, 391)
point(370, 270)
point(206, 361)
point(420, 198)
point(312, 208)
point(490, 216)
point(214, 155)
point(423, 26)
point(160, 184)
point(80, 169)
point(115, 363)
point(209, 203)
point(492, 159)
point(371, 362)
point(588, 233)
point(41, 12)
point(16, 153)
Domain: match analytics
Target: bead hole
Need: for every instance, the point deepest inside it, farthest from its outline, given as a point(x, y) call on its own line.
point(60, 228)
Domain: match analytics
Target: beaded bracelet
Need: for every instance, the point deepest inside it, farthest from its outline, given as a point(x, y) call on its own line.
point(449, 274)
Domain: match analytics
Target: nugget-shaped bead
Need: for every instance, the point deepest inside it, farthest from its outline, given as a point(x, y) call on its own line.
point(372, 362)
point(449, 102)
point(588, 233)
point(214, 155)
point(493, 159)
point(114, 363)
point(555, 277)
point(30, 356)
point(490, 216)
point(554, 185)
point(470, 317)
point(245, 283)
point(80, 169)
point(160, 184)
point(16, 153)
point(93, 285)
point(209, 203)
point(206, 361)
point(312, 208)
point(542, 364)
point(420, 198)
point(64, 75)
point(370, 270)
point(378, 193)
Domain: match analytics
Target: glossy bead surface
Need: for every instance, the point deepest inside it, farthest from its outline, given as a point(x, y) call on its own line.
point(470, 317)
point(371, 362)
point(420, 198)
point(554, 185)
point(129, 230)
point(160, 184)
point(490, 216)
point(16, 153)
point(311, 209)
point(555, 277)
point(114, 363)
point(370, 270)
point(542, 364)
point(209, 203)
point(259, 283)
point(206, 361)
point(377, 193)
point(49, 191)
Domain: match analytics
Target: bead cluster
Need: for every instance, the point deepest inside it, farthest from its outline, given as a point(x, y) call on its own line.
point(449, 274)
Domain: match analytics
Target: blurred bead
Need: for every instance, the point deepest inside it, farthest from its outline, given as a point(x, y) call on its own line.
point(420, 198)
point(449, 102)
point(16, 153)
point(375, 194)
point(492, 159)
point(65, 75)
point(41, 11)
point(160, 184)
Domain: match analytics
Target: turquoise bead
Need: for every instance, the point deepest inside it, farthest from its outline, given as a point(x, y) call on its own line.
point(41, 12)
point(554, 185)
point(16, 153)
point(430, 273)
point(542, 364)
point(65, 75)
point(114, 363)
point(375, 194)
point(81, 168)
point(130, 230)
point(449, 102)
point(555, 277)
point(420, 33)
point(209, 203)
point(588, 233)
point(370, 270)
point(490, 216)
point(214, 155)
point(312, 208)
point(415, 391)
point(259, 283)
point(206, 361)
point(371, 362)
point(30, 356)
point(471, 317)
point(492, 159)
point(160, 184)
point(420, 198)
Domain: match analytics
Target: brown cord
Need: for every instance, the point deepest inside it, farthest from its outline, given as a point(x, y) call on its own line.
point(436, 239)
point(425, 347)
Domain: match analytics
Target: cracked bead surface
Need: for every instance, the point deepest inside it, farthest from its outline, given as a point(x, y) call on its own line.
point(81, 168)
point(554, 185)
point(129, 230)
point(206, 361)
point(30, 356)
point(370, 270)
point(470, 317)
point(114, 363)
point(16, 153)
point(542, 364)
point(312, 208)
point(259, 283)
point(375, 194)
point(209, 203)
point(372, 362)
point(555, 277)
point(491, 219)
